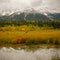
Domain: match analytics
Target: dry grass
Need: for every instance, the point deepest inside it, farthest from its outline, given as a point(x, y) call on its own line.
point(28, 33)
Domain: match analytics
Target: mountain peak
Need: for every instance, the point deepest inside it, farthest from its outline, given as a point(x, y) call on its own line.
point(29, 14)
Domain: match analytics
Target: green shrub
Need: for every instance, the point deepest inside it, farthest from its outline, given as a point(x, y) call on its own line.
point(43, 41)
point(32, 41)
point(7, 41)
point(54, 41)
point(59, 41)
point(4, 41)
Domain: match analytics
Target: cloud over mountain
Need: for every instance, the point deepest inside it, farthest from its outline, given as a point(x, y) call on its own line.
point(13, 5)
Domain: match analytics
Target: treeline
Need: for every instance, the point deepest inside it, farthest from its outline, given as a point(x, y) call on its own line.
point(41, 23)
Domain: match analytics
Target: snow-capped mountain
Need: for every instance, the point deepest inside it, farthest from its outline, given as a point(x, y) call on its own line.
point(29, 14)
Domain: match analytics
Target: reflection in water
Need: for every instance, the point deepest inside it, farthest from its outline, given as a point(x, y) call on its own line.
point(21, 54)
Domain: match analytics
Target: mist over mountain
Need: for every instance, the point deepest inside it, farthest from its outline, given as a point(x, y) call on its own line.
point(10, 6)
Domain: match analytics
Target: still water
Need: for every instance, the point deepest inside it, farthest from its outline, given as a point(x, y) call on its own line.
point(22, 54)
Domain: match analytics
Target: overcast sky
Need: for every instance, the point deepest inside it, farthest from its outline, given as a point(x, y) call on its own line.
point(24, 4)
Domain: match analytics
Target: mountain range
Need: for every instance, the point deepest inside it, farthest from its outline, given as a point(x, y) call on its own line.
point(30, 15)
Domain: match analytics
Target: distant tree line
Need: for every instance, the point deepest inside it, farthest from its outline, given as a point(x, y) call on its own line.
point(41, 23)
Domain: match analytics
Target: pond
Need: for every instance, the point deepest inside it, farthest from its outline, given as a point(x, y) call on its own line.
point(23, 54)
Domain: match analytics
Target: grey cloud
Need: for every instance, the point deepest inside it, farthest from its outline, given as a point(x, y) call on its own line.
point(23, 4)
point(36, 3)
point(4, 1)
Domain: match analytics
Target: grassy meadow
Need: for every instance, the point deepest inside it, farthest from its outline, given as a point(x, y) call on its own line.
point(29, 35)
